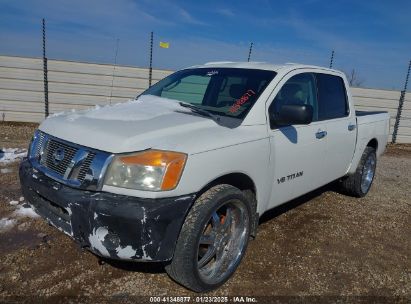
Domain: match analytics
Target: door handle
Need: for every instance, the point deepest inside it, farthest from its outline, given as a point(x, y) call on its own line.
point(321, 134)
point(351, 127)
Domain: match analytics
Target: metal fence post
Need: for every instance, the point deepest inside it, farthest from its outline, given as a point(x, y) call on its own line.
point(400, 106)
point(249, 52)
point(150, 72)
point(46, 83)
point(114, 69)
point(332, 59)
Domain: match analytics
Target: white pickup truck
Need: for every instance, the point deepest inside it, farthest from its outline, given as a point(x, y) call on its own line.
point(182, 173)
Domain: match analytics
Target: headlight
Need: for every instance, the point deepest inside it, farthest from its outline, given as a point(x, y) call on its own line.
point(151, 170)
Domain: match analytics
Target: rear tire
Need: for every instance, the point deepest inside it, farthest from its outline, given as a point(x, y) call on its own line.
point(213, 239)
point(359, 183)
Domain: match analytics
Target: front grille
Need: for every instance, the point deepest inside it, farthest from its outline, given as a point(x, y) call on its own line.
point(48, 156)
point(39, 145)
point(85, 166)
point(66, 162)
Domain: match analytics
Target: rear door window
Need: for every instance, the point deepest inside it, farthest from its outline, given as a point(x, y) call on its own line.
point(332, 97)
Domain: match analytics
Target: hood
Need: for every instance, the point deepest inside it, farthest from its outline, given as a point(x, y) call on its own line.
point(149, 122)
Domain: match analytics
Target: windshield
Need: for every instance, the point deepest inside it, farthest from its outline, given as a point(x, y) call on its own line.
point(228, 92)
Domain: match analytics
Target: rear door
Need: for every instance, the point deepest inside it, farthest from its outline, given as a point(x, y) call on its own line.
point(334, 109)
point(297, 151)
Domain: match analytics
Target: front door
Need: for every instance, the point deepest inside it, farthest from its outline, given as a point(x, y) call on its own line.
point(297, 157)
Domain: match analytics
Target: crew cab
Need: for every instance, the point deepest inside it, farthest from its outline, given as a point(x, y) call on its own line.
point(183, 173)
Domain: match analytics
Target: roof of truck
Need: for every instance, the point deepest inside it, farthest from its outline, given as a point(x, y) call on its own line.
point(259, 65)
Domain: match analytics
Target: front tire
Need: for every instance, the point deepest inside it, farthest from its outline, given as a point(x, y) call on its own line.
point(213, 239)
point(359, 183)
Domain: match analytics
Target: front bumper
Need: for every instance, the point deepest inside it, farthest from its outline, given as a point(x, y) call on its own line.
point(110, 225)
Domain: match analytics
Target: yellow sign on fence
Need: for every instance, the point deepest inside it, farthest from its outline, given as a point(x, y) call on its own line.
point(164, 45)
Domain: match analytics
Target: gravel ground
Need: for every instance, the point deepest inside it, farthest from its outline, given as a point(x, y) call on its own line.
point(323, 247)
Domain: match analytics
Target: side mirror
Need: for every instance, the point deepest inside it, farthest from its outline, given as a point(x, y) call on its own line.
point(293, 114)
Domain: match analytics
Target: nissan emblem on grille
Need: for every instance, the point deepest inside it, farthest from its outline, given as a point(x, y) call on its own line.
point(58, 156)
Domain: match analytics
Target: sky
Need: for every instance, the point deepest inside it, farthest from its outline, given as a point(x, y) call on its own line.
point(372, 37)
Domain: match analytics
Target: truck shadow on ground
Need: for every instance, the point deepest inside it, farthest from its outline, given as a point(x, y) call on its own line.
point(158, 267)
point(277, 211)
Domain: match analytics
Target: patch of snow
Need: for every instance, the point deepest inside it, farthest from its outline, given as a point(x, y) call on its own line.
point(21, 211)
point(62, 113)
point(6, 224)
point(6, 170)
point(9, 155)
point(144, 108)
point(25, 211)
point(56, 114)
point(21, 198)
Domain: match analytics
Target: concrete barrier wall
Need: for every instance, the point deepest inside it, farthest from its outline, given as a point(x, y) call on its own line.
point(77, 85)
point(386, 100)
point(72, 85)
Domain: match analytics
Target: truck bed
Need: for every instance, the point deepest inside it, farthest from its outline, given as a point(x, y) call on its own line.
point(366, 117)
point(364, 113)
point(371, 125)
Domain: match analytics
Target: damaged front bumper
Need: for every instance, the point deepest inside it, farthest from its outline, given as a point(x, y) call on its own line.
point(110, 225)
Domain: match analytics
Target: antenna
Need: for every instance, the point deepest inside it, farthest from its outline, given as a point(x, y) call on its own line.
point(114, 69)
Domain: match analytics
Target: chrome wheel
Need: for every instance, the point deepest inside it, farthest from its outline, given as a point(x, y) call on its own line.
point(368, 173)
point(223, 241)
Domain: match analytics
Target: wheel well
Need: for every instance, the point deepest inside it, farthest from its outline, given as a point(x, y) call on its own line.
point(245, 184)
point(238, 180)
point(373, 143)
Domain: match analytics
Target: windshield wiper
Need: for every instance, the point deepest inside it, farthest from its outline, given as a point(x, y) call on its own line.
point(200, 111)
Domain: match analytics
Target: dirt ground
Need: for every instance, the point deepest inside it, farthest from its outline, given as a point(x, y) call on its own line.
point(323, 247)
